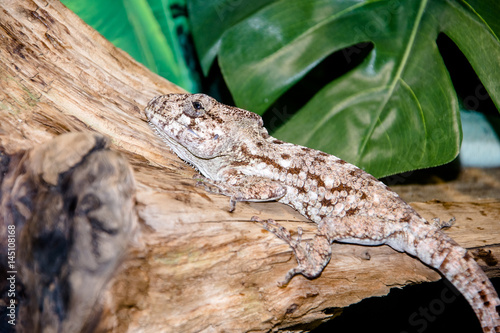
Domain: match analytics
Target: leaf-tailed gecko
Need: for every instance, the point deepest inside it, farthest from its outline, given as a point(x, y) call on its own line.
point(237, 157)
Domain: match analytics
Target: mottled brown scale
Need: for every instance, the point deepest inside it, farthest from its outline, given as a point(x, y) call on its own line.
point(343, 187)
point(351, 211)
point(238, 158)
point(294, 170)
point(239, 163)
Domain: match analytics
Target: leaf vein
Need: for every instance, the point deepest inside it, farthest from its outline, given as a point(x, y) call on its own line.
point(397, 77)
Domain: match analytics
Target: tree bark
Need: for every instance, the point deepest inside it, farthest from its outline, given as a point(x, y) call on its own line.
point(190, 265)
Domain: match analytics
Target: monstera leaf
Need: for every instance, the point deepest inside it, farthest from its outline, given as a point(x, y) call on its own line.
point(394, 112)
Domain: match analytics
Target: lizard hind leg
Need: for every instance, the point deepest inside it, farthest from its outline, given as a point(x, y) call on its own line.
point(312, 256)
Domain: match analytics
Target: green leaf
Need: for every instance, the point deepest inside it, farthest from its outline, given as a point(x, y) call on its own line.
point(210, 19)
point(143, 28)
point(397, 110)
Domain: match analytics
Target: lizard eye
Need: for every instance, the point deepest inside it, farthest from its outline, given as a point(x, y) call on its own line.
point(197, 105)
point(194, 109)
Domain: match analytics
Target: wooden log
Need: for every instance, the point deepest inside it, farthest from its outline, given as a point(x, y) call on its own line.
point(191, 266)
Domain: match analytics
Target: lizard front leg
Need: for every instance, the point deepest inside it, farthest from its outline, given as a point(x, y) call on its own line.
point(243, 188)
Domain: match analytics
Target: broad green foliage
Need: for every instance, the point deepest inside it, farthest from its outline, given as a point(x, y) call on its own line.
point(396, 111)
point(146, 29)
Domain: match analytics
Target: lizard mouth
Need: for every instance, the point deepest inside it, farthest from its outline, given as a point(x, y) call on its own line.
point(165, 136)
point(162, 134)
point(182, 152)
point(178, 148)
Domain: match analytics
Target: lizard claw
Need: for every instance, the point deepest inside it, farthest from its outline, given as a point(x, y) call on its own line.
point(443, 224)
point(280, 231)
point(232, 204)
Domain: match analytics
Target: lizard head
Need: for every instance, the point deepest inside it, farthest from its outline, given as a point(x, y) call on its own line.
point(198, 128)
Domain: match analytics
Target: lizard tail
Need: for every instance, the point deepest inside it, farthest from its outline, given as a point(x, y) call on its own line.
point(460, 268)
point(441, 252)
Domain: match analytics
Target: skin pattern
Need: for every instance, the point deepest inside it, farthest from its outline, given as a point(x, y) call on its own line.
point(238, 158)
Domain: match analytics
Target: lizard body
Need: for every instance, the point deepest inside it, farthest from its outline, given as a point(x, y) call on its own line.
point(238, 158)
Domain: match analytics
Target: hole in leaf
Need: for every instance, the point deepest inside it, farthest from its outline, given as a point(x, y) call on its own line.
point(214, 85)
point(331, 68)
point(470, 90)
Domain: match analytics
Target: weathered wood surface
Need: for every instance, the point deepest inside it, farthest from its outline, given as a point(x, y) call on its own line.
point(191, 266)
point(70, 203)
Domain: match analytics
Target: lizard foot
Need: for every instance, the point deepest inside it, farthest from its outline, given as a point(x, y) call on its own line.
point(443, 224)
point(280, 231)
point(312, 257)
point(210, 186)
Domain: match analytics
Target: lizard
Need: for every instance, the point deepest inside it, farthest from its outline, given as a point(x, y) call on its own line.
point(235, 156)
